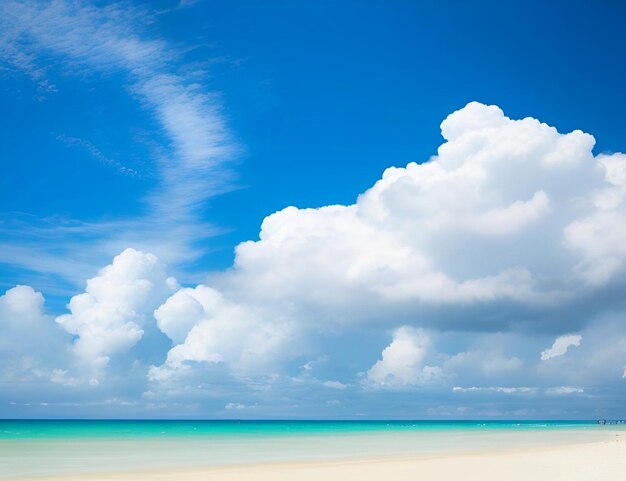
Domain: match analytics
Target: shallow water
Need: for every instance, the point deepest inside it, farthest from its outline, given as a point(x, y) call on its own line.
point(32, 448)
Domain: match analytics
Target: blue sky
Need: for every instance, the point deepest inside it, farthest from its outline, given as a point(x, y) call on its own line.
point(486, 281)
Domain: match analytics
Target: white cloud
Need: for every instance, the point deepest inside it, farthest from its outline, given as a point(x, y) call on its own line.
point(599, 238)
point(497, 389)
point(334, 385)
point(414, 245)
point(21, 307)
point(599, 359)
point(209, 328)
point(402, 362)
point(31, 345)
point(184, 310)
point(561, 345)
point(418, 237)
point(108, 317)
point(411, 251)
point(563, 390)
point(234, 406)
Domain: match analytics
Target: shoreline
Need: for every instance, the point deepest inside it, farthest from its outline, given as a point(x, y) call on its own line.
point(603, 460)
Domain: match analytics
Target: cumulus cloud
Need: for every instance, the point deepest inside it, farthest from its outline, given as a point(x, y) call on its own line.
point(21, 307)
point(414, 247)
point(414, 238)
point(402, 362)
point(561, 345)
point(108, 317)
point(209, 328)
point(485, 239)
point(31, 344)
point(599, 238)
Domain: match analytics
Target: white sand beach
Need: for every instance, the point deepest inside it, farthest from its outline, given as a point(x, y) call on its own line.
point(596, 461)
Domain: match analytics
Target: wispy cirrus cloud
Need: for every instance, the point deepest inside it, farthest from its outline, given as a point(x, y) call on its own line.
point(97, 154)
point(195, 143)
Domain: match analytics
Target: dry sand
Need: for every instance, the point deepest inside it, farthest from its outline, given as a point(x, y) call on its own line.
point(598, 461)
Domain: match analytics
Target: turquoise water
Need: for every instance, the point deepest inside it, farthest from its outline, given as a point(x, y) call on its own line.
point(24, 429)
point(42, 448)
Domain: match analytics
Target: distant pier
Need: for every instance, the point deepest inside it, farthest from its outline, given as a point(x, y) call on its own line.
point(611, 421)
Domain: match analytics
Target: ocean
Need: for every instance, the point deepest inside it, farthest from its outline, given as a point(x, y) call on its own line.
point(58, 447)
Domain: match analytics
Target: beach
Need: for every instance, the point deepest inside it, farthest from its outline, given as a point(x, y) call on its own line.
point(598, 461)
point(251, 451)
